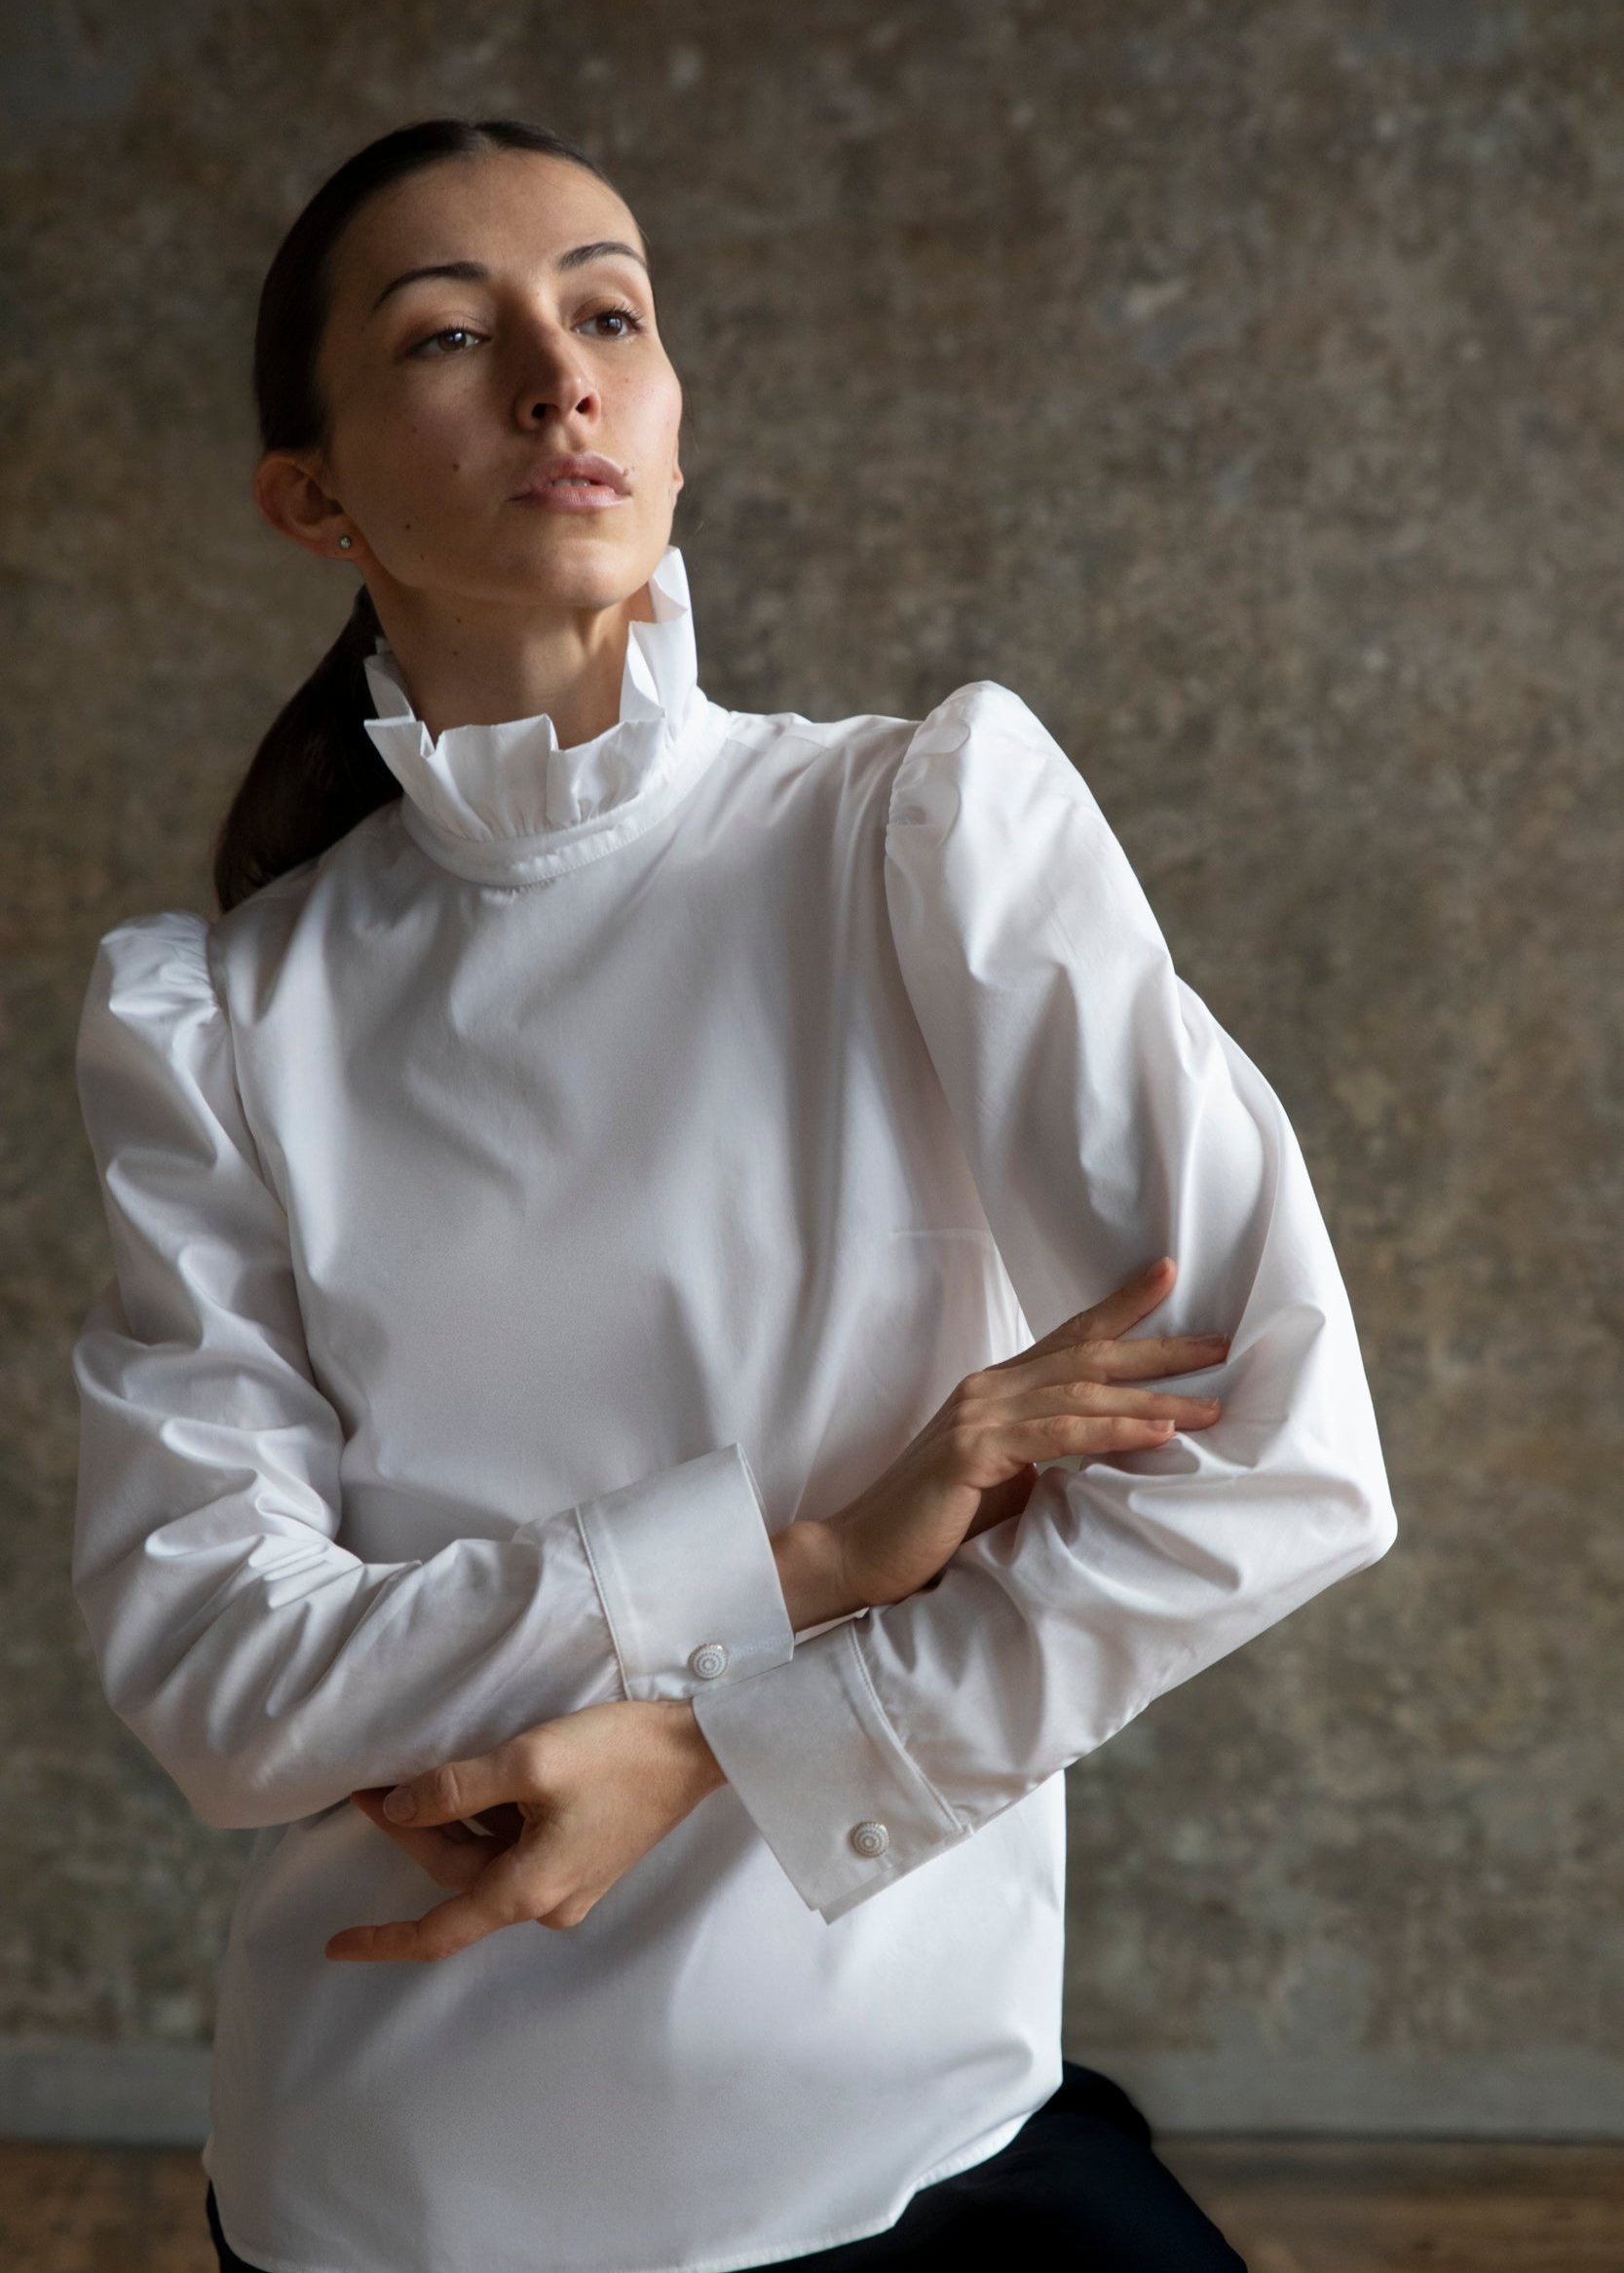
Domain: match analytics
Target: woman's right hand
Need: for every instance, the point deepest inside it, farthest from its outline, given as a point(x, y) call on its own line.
point(973, 1463)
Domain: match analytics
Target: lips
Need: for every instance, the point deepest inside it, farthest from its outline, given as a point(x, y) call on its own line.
point(584, 467)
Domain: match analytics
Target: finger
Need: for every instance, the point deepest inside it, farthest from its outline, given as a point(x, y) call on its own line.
point(1132, 1358)
point(463, 1787)
point(504, 1821)
point(1137, 1357)
point(1132, 1301)
point(1054, 1435)
point(1189, 1410)
point(1114, 1397)
point(498, 1898)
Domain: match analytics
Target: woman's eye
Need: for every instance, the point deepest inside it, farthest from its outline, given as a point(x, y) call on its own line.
point(451, 332)
point(432, 350)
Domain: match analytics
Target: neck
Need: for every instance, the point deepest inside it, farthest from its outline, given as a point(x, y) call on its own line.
point(479, 668)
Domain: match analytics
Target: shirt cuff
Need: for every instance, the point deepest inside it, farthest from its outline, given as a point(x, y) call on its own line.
point(685, 1572)
point(824, 1775)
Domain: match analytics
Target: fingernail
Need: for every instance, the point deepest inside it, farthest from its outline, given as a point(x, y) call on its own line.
point(401, 1806)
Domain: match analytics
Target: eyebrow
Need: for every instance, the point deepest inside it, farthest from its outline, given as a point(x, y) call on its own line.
point(474, 271)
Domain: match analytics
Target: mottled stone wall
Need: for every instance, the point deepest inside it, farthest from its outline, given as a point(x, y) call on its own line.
point(1242, 383)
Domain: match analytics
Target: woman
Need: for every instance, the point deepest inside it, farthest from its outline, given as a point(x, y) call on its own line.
point(577, 1213)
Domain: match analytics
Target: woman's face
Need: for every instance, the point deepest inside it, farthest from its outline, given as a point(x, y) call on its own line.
point(447, 394)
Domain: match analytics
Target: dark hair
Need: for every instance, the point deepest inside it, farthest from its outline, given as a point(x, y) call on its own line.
point(316, 774)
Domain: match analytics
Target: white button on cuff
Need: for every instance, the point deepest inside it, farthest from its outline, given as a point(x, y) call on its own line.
point(708, 1660)
point(870, 1838)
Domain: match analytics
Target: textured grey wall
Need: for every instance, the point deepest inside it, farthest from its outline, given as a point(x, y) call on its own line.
point(1244, 384)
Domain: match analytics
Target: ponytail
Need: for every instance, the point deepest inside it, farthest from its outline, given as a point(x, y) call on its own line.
point(317, 773)
point(314, 775)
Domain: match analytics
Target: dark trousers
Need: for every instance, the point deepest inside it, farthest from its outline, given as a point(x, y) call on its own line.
point(1078, 2189)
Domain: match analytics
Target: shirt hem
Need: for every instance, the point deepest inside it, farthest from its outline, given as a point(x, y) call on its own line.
point(981, 2150)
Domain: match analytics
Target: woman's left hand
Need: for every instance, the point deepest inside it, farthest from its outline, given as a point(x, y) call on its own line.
point(571, 1804)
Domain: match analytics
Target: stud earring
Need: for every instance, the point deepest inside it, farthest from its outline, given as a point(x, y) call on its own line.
point(345, 543)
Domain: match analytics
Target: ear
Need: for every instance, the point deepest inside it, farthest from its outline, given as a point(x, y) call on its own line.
point(288, 492)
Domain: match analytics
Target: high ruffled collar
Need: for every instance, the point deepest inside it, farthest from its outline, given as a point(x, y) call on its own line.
point(504, 800)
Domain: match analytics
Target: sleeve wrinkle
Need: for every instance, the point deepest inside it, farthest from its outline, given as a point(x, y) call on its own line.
point(1107, 1119)
point(228, 1045)
point(267, 1667)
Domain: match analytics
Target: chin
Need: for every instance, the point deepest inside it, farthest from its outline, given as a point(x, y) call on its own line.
point(579, 575)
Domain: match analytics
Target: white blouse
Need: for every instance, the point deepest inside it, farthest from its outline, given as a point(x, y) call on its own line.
point(596, 1160)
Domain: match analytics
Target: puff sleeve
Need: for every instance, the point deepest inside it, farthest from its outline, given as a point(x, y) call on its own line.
point(267, 1667)
point(1107, 1118)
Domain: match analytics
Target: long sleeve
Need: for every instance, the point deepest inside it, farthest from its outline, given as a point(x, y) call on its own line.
point(1107, 1118)
point(267, 1667)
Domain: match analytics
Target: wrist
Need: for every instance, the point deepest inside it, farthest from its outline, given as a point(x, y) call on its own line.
point(814, 1572)
point(706, 1768)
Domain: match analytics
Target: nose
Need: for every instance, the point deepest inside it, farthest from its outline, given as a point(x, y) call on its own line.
point(556, 377)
